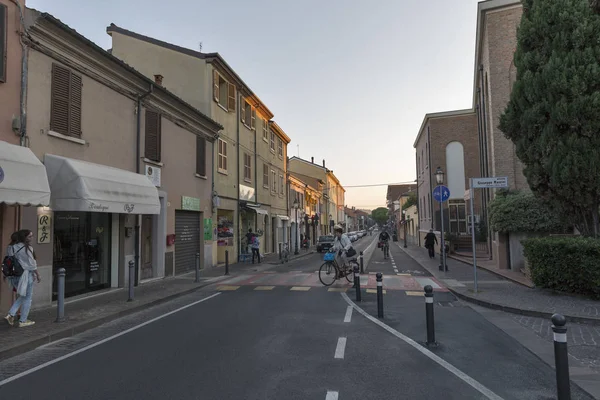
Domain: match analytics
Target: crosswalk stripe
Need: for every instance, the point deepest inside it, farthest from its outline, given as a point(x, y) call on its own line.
point(408, 293)
point(375, 291)
point(223, 288)
point(335, 289)
point(264, 288)
point(300, 288)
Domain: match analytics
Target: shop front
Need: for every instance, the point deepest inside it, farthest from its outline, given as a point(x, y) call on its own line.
point(87, 203)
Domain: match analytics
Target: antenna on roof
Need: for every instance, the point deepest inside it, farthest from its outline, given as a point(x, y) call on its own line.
point(200, 47)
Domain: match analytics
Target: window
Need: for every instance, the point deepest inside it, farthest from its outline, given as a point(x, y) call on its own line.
point(222, 159)
point(281, 185)
point(247, 167)
point(3, 31)
point(200, 156)
point(152, 136)
point(223, 92)
point(279, 147)
point(272, 142)
point(65, 107)
point(248, 115)
point(265, 176)
point(265, 130)
point(273, 182)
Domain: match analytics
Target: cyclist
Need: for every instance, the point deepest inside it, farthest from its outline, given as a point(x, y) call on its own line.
point(384, 236)
point(341, 244)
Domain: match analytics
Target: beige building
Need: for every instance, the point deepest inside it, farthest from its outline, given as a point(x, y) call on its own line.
point(307, 192)
point(244, 147)
point(128, 165)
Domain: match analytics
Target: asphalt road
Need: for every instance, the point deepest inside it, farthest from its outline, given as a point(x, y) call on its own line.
point(285, 344)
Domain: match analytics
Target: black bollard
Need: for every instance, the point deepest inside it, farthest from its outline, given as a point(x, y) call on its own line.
point(429, 315)
point(280, 258)
point(561, 357)
point(362, 265)
point(226, 262)
point(197, 268)
point(60, 300)
point(379, 277)
point(357, 283)
point(131, 279)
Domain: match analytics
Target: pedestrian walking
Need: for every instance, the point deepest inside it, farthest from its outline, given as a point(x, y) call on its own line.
point(23, 252)
point(255, 248)
point(430, 240)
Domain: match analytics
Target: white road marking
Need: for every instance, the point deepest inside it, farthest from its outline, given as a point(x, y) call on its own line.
point(451, 368)
point(348, 316)
point(331, 395)
point(340, 348)
point(108, 339)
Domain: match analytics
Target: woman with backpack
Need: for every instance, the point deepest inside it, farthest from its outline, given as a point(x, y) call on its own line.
point(23, 253)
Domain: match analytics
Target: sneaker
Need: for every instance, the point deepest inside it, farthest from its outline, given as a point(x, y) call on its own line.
point(26, 323)
point(10, 319)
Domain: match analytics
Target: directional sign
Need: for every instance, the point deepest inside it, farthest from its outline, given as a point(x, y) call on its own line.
point(441, 193)
point(493, 182)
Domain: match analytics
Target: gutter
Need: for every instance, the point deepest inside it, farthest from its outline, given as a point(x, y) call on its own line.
point(237, 174)
point(430, 180)
point(24, 69)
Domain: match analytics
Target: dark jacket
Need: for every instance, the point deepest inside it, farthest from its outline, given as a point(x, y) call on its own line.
point(430, 239)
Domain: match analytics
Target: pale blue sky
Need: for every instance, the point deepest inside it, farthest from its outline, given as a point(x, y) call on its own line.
point(349, 81)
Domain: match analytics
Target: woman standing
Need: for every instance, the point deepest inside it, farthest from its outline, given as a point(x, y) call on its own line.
point(24, 284)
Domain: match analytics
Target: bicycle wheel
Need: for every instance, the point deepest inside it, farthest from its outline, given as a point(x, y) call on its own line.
point(350, 271)
point(327, 273)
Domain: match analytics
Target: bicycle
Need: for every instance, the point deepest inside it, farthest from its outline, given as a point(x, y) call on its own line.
point(386, 249)
point(330, 271)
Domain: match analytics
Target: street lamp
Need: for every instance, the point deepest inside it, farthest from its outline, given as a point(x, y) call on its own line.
point(296, 205)
point(439, 177)
point(405, 222)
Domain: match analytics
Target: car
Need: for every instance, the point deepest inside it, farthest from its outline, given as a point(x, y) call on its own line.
point(325, 242)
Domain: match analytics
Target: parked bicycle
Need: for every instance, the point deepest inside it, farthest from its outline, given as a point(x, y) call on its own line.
point(330, 271)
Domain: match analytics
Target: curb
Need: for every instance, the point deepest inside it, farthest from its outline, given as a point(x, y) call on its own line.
point(490, 271)
point(85, 326)
point(300, 256)
point(520, 311)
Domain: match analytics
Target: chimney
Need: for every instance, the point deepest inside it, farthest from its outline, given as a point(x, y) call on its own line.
point(158, 79)
point(312, 160)
point(323, 163)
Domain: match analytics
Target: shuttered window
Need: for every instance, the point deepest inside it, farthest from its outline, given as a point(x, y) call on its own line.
point(3, 32)
point(222, 156)
point(279, 147)
point(248, 115)
point(223, 92)
point(152, 138)
point(265, 130)
point(200, 156)
point(265, 176)
point(272, 142)
point(273, 181)
point(65, 107)
point(247, 167)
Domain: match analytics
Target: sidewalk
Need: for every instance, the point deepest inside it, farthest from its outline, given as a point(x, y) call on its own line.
point(498, 293)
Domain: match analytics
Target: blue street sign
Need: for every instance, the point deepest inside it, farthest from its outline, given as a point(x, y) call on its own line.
point(441, 193)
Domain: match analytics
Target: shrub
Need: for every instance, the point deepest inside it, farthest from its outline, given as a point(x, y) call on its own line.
point(568, 264)
point(522, 212)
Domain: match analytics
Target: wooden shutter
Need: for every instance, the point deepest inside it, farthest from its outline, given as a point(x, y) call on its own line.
point(243, 110)
point(216, 86)
point(75, 106)
point(65, 107)
point(253, 121)
point(231, 97)
point(152, 138)
point(3, 32)
point(200, 156)
point(265, 175)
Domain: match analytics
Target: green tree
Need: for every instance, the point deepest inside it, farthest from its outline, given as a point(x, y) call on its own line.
point(553, 116)
point(411, 201)
point(380, 215)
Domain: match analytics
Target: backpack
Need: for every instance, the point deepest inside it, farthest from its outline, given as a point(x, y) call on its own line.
point(11, 266)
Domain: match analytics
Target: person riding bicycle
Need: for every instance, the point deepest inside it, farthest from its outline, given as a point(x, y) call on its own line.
point(341, 245)
point(383, 237)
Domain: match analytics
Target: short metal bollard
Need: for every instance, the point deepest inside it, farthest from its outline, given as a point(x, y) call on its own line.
point(280, 255)
point(379, 277)
point(131, 279)
point(561, 357)
point(226, 262)
point(362, 265)
point(357, 283)
point(429, 316)
point(197, 268)
point(60, 300)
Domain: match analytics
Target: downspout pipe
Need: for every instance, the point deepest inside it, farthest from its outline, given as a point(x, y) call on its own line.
point(430, 181)
point(138, 135)
point(24, 69)
point(237, 153)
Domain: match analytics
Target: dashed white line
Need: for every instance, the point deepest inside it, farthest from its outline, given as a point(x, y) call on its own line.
point(331, 395)
point(348, 316)
point(340, 349)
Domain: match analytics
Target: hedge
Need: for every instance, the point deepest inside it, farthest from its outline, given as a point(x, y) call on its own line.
point(522, 212)
point(567, 264)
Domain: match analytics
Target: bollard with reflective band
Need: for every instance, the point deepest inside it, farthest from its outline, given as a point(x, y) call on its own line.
point(362, 265)
point(226, 262)
point(60, 300)
point(131, 279)
point(429, 315)
point(379, 279)
point(280, 256)
point(197, 268)
point(561, 357)
point(357, 283)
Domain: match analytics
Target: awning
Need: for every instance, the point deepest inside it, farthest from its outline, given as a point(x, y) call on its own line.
point(283, 217)
point(83, 186)
point(257, 209)
point(23, 177)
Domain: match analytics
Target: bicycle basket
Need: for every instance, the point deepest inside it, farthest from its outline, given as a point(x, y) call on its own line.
point(329, 257)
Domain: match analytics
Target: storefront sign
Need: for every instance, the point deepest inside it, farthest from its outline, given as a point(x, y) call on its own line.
point(247, 193)
point(153, 174)
point(44, 233)
point(190, 203)
point(208, 229)
point(95, 207)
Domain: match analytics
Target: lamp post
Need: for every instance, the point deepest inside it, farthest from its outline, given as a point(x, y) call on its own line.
point(439, 177)
point(296, 205)
point(405, 222)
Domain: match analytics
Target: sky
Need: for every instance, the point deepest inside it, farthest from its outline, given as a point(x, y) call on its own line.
point(349, 81)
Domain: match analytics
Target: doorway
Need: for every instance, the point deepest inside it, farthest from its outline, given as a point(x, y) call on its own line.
point(147, 270)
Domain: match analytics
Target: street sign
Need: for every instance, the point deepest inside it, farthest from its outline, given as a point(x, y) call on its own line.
point(467, 194)
point(441, 193)
point(493, 182)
